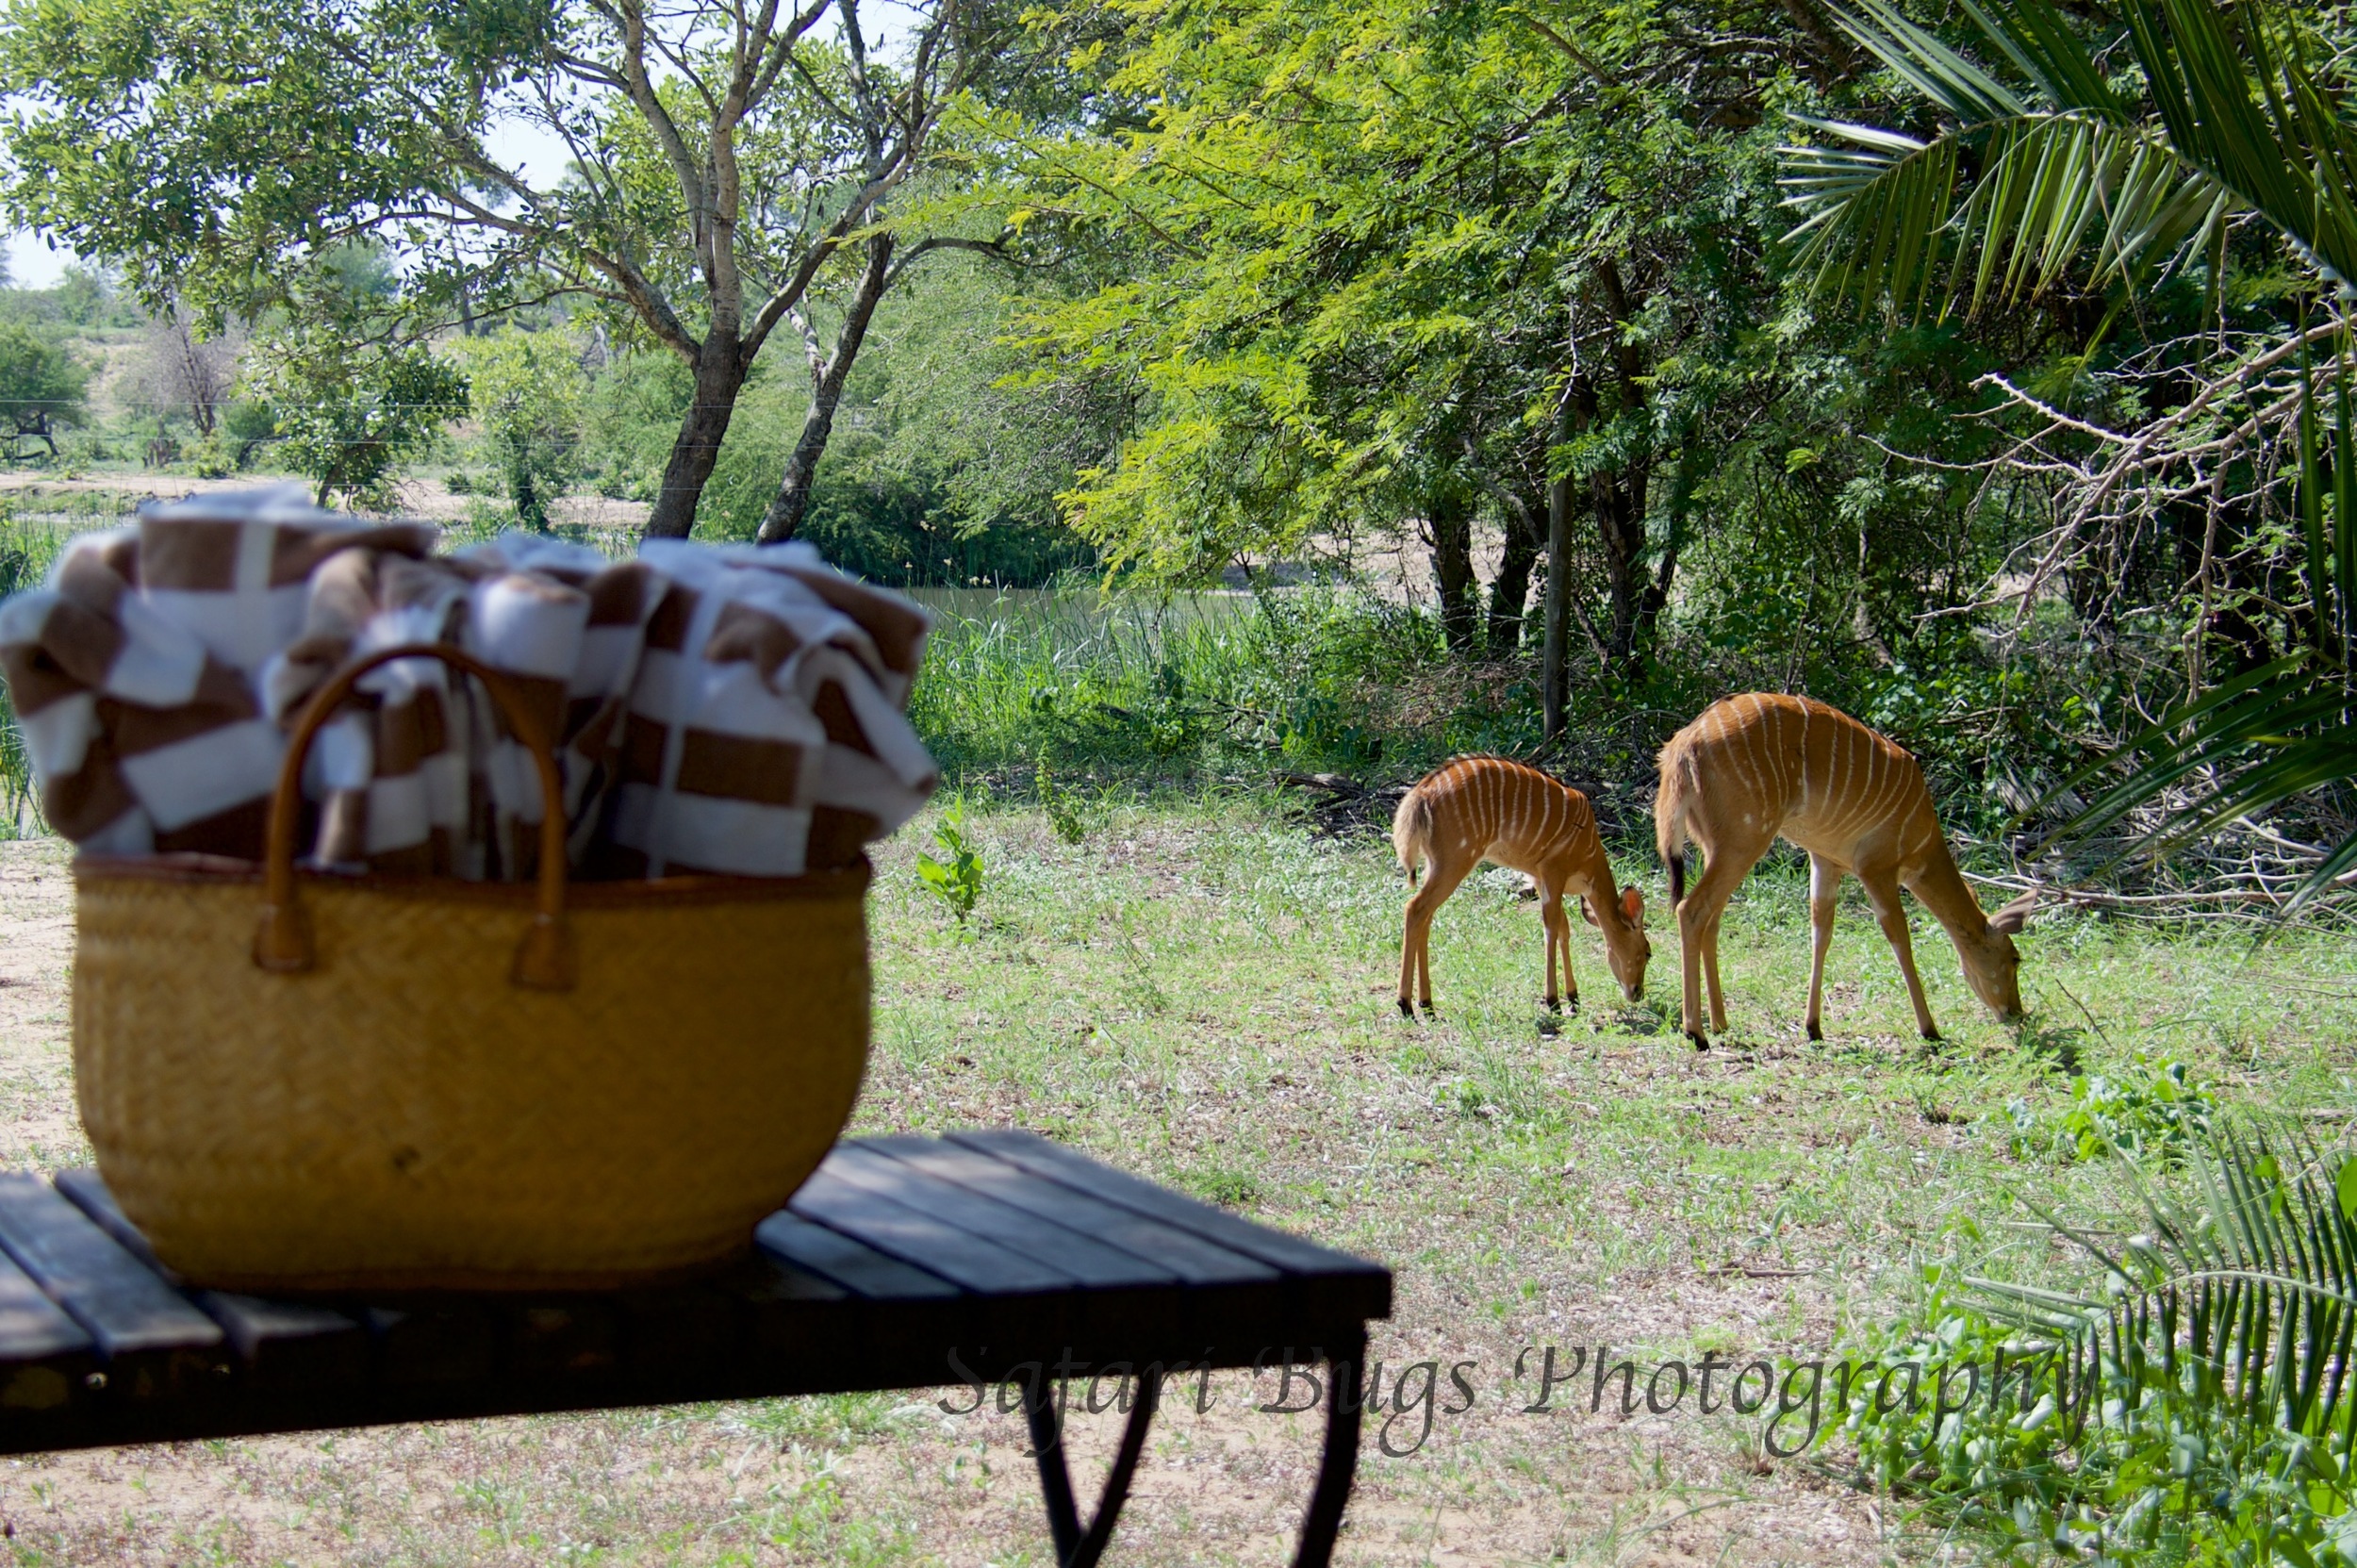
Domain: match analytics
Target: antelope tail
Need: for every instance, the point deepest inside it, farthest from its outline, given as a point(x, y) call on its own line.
point(1668, 830)
point(1411, 832)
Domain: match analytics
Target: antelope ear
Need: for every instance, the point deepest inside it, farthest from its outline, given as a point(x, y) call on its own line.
point(1633, 905)
point(1585, 912)
point(2010, 920)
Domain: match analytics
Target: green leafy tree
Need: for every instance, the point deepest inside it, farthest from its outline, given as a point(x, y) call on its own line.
point(527, 392)
point(350, 391)
point(43, 385)
point(2050, 166)
point(734, 172)
point(349, 415)
point(1418, 264)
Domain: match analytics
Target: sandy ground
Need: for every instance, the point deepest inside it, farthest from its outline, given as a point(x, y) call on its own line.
point(424, 497)
point(893, 1478)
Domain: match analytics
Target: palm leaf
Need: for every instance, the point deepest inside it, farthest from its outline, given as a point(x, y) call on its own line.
point(1872, 213)
point(1878, 215)
point(1966, 92)
point(2285, 154)
point(2243, 1303)
point(2235, 122)
point(2033, 37)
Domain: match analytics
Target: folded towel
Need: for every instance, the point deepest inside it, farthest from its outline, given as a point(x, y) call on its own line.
point(728, 709)
point(766, 733)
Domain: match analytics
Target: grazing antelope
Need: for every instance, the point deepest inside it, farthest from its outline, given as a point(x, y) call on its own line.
point(1487, 808)
point(1756, 767)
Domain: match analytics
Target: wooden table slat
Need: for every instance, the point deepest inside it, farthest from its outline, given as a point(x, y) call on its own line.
point(45, 1357)
point(1070, 1168)
point(1092, 1263)
point(279, 1344)
point(1185, 1254)
point(959, 1256)
point(904, 1262)
point(153, 1339)
point(846, 1262)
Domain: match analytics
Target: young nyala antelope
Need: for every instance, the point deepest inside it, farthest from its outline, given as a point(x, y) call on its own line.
point(1487, 808)
point(1761, 766)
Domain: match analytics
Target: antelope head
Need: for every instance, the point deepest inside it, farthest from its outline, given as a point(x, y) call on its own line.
point(1624, 946)
point(1992, 965)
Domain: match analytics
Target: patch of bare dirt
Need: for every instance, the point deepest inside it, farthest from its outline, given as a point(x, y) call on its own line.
point(895, 1479)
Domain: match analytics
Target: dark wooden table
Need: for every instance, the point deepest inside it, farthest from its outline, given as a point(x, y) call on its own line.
point(1025, 1261)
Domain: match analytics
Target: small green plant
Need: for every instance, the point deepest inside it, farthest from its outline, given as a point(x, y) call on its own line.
point(1064, 808)
point(2186, 1409)
point(2149, 1111)
point(956, 880)
point(1224, 1185)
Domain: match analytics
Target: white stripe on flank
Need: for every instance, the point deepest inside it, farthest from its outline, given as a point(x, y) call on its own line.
point(1805, 767)
point(1756, 747)
point(1837, 803)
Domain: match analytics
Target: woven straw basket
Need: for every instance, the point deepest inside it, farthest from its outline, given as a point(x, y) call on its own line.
point(299, 1081)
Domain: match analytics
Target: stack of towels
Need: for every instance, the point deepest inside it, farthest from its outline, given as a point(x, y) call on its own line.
point(723, 709)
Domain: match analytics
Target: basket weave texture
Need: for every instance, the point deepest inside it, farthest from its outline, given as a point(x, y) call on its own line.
point(402, 1116)
point(315, 1083)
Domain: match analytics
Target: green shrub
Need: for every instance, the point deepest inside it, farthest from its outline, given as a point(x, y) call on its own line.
point(2149, 1111)
point(2194, 1407)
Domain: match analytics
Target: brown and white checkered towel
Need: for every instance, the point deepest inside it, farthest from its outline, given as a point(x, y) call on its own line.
point(130, 671)
point(766, 734)
point(733, 710)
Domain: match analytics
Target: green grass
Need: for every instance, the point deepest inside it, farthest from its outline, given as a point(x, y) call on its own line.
point(1202, 992)
point(28, 547)
point(1126, 693)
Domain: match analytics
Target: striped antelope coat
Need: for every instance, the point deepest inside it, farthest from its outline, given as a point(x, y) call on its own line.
point(1473, 809)
point(1762, 766)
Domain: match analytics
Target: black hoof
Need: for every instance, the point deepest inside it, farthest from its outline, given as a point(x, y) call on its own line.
point(1571, 1005)
point(1432, 1013)
point(1815, 1032)
point(1407, 1009)
point(1552, 1004)
point(1700, 1042)
point(1931, 1034)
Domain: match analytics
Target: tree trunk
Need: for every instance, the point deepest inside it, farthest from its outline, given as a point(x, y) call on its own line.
point(1656, 595)
point(201, 388)
point(1510, 587)
point(1618, 500)
point(1617, 496)
point(719, 376)
point(792, 501)
point(1554, 678)
point(1450, 517)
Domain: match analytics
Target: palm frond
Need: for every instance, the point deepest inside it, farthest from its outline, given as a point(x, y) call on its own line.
point(2053, 186)
point(2033, 37)
point(1967, 93)
point(1879, 214)
point(2242, 1303)
point(1872, 213)
point(2284, 153)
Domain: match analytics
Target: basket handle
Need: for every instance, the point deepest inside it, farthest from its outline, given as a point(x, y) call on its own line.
point(282, 942)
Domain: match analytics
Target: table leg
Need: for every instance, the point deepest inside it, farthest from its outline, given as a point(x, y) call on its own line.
point(1076, 1547)
point(1339, 1465)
